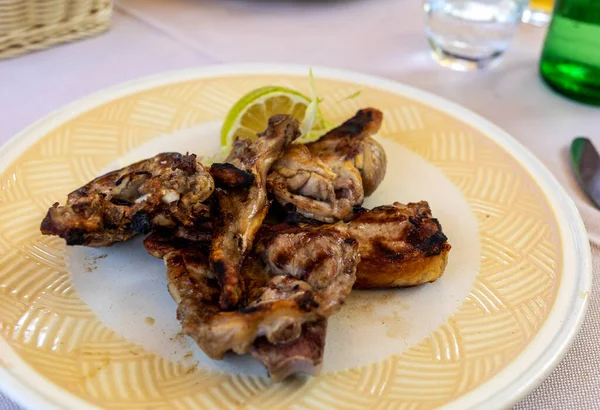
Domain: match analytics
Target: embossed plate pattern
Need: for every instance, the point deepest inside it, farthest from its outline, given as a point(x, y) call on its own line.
point(521, 313)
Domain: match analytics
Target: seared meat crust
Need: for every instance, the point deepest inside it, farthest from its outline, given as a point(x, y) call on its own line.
point(238, 213)
point(352, 141)
point(229, 176)
point(302, 355)
point(400, 245)
point(293, 276)
point(168, 190)
point(325, 179)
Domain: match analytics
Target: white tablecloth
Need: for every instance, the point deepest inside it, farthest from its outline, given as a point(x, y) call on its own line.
point(382, 37)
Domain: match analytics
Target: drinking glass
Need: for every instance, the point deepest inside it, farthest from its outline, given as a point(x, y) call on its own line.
point(471, 34)
point(538, 13)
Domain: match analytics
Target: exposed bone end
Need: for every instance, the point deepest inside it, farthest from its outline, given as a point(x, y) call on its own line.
point(301, 356)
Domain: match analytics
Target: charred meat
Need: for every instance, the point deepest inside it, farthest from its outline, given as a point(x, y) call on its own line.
point(325, 179)
point(302, 355)
point(247, 282)
point(400, 245)
point(241, 205)
point(168, 190)
point(293, 277)
point(352, 141)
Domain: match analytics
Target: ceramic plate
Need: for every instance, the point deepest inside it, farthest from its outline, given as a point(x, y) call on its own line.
point(86, 328)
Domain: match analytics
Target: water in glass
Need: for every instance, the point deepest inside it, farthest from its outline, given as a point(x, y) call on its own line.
point(471, 34)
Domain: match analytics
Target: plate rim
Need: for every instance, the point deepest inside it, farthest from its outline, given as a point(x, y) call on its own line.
point(501, 390)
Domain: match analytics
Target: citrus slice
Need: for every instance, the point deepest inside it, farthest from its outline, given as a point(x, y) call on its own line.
point(251, 113)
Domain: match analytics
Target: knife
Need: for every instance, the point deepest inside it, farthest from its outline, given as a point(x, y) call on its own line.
point(586, 165)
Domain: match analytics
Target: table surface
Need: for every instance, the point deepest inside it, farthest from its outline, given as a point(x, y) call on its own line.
point(383, 37)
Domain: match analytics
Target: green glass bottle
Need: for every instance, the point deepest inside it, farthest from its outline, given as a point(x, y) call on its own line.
point(570, 60)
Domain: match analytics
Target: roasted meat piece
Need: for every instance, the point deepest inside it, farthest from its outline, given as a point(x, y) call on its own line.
point(293, 277)
point(296, 276)
point(238, 212)
point(168, 190)
point(301, 179)
point(324, 257)
point(352, 141)
point(400, 245)
point(302, 355)
point(325, 179)
point(229, 176)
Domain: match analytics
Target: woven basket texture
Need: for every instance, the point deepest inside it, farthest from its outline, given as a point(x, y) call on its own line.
point(28, 25)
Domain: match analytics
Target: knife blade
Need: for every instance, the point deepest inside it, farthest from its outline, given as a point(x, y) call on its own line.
point(586, 165)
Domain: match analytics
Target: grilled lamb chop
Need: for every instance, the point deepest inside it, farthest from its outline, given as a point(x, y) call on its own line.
point(293, 277)
point(167, 190)
point(325, 179)
point(240, 210)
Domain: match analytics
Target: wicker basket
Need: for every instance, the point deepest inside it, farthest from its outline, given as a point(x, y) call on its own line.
point(27, 25)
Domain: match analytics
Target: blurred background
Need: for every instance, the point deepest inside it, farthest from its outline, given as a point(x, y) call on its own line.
point(381, 37)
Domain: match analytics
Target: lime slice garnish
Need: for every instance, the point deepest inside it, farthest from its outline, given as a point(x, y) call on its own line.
point(250, 114)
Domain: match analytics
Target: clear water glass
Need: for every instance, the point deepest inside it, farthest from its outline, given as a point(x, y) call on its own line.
point(471, 34)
